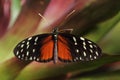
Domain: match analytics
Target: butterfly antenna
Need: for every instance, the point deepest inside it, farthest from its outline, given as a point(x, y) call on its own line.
point(55, 29)
point(66, 31)
point(43, 17)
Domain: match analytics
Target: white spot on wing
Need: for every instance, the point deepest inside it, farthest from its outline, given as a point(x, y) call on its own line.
point(27, 46)
point(96, 53)
point(74, 39)
point(75, 43)
point(36, 39)
point(76, 58)
point(80, 58)
point(35, 43)
point(95, 57)
point(84, 47)
point(38, 59)
point(23, 55)
point(27, 53)
point(84, 53)
point(19, 56)
point(34, 57)
point(95, 46)
point(91, 46)
point(27, 43)
point(23, 41)
point(18, 45)
point(17, 53)
point(89, 42)
point(90, 56)
point(84, 43)
point(21, 50)
point(91, 50)
point(81, 38)
point(30, 58)
point(77, 50)
point(22, 45)
point(30, 38)
point(33, 50)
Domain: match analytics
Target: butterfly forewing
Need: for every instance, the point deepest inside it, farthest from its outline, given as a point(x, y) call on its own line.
point(35, 48)
point(78, 48)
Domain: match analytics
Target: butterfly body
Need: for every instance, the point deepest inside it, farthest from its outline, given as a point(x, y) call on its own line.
point(55, 38)
point(56, 46)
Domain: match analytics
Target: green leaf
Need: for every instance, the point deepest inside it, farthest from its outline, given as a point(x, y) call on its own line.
point(44, 71)
point(110, 43)
point(96, 12)
point(103, 28)
point(110, 75)
point(11, 68)
point(15, 10)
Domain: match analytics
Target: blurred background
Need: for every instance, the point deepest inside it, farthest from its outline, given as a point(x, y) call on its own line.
point(97, 20)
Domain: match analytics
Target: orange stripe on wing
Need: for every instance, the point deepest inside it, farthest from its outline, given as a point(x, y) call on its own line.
point(47, 49)
point(63, 49)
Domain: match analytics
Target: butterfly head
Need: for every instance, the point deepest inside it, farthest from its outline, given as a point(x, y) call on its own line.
point(55, 30)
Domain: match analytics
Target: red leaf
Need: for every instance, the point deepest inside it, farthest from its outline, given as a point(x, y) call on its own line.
point(4, 16)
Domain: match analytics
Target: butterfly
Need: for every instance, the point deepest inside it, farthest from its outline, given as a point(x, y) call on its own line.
point(57, 46)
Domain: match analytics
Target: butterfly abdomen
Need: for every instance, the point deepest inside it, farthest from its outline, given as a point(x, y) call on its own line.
point(55, 49)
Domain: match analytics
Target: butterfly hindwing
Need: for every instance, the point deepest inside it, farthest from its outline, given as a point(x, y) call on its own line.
point(77, 48)
point(64, 49)
point(35, 48)
point(89, 49)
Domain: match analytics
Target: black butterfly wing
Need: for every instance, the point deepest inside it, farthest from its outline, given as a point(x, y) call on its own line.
point(78, 49)
point(36, 48)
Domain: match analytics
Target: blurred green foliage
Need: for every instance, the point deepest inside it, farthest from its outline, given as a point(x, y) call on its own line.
point(97, 20)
